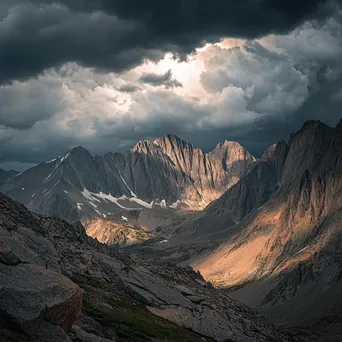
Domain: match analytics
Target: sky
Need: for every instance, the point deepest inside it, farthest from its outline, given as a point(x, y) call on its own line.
point(105, 74)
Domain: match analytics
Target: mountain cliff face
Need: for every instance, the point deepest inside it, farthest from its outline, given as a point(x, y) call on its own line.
point(58, 284)
point(276, 234)
point(213, 172)
point(166, 174)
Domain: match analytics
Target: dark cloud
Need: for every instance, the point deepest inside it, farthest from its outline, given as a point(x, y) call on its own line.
point(156, 80)
point(128, 88)
point(24, 104)
point(118, 35)
point(257, 93)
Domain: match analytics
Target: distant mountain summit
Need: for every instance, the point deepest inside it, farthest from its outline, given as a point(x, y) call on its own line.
point(212, 173)
point(168, 173)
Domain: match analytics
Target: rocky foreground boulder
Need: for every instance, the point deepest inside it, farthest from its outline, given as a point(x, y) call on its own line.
point(58, 284)
point(43, 303)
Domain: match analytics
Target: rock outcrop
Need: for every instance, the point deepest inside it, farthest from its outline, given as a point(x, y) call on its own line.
point(41, 302)
point(112, 232)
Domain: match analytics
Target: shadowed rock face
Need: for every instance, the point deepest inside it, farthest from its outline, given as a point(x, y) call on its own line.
point(167, 173)
point(43, 258)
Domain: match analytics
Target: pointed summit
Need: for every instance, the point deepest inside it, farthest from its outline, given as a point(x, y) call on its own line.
point(146, 147)
point(311, 128)
point(233, 156)
point(172, 141)
point(79, 149)
point(269, 152)
point(78, 154)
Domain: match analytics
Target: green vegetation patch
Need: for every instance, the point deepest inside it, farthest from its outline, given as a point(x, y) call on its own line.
point(131, 320)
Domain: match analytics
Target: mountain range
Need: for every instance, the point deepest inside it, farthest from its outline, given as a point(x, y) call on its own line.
point(273, 240)
point(266, 232)
point(167, 173)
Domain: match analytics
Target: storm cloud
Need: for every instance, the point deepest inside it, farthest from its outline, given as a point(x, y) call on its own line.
point(95, 74)
point(165, 80)
point(118, 35)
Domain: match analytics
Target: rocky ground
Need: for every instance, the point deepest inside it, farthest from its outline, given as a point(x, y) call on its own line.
point(58, 284)
point(114, 233)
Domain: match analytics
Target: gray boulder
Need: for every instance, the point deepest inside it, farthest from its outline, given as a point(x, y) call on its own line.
point(41, 302)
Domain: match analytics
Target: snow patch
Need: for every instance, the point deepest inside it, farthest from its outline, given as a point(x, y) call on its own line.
point(89, 195)
point(48, 177)
point(56, 184)
point(79, 206)
point(65, 156)
point(23, 189)
point(163, 241)
point(162, 204)
point(111, 199)
point(47, 192)
point(141, 202)
point(100, 213)
point(33, 195)
point(19, 174)
point(92, 204)
point(65, 191)
point(130, 190)
point(123, 180)
point(50, 161)
point(124, 218)
point(176, 204)
point(95, 197)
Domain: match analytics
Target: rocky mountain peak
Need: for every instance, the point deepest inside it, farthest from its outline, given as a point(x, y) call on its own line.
point(231, 144)
point(235, 159)
point(145, 147)
point(309, 128)
point(180, 151)
point(269, 152)
point(172, 141)
point(79, 150)
point(230, 150)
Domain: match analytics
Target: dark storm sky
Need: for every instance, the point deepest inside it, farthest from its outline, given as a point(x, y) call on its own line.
point(94, 73)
